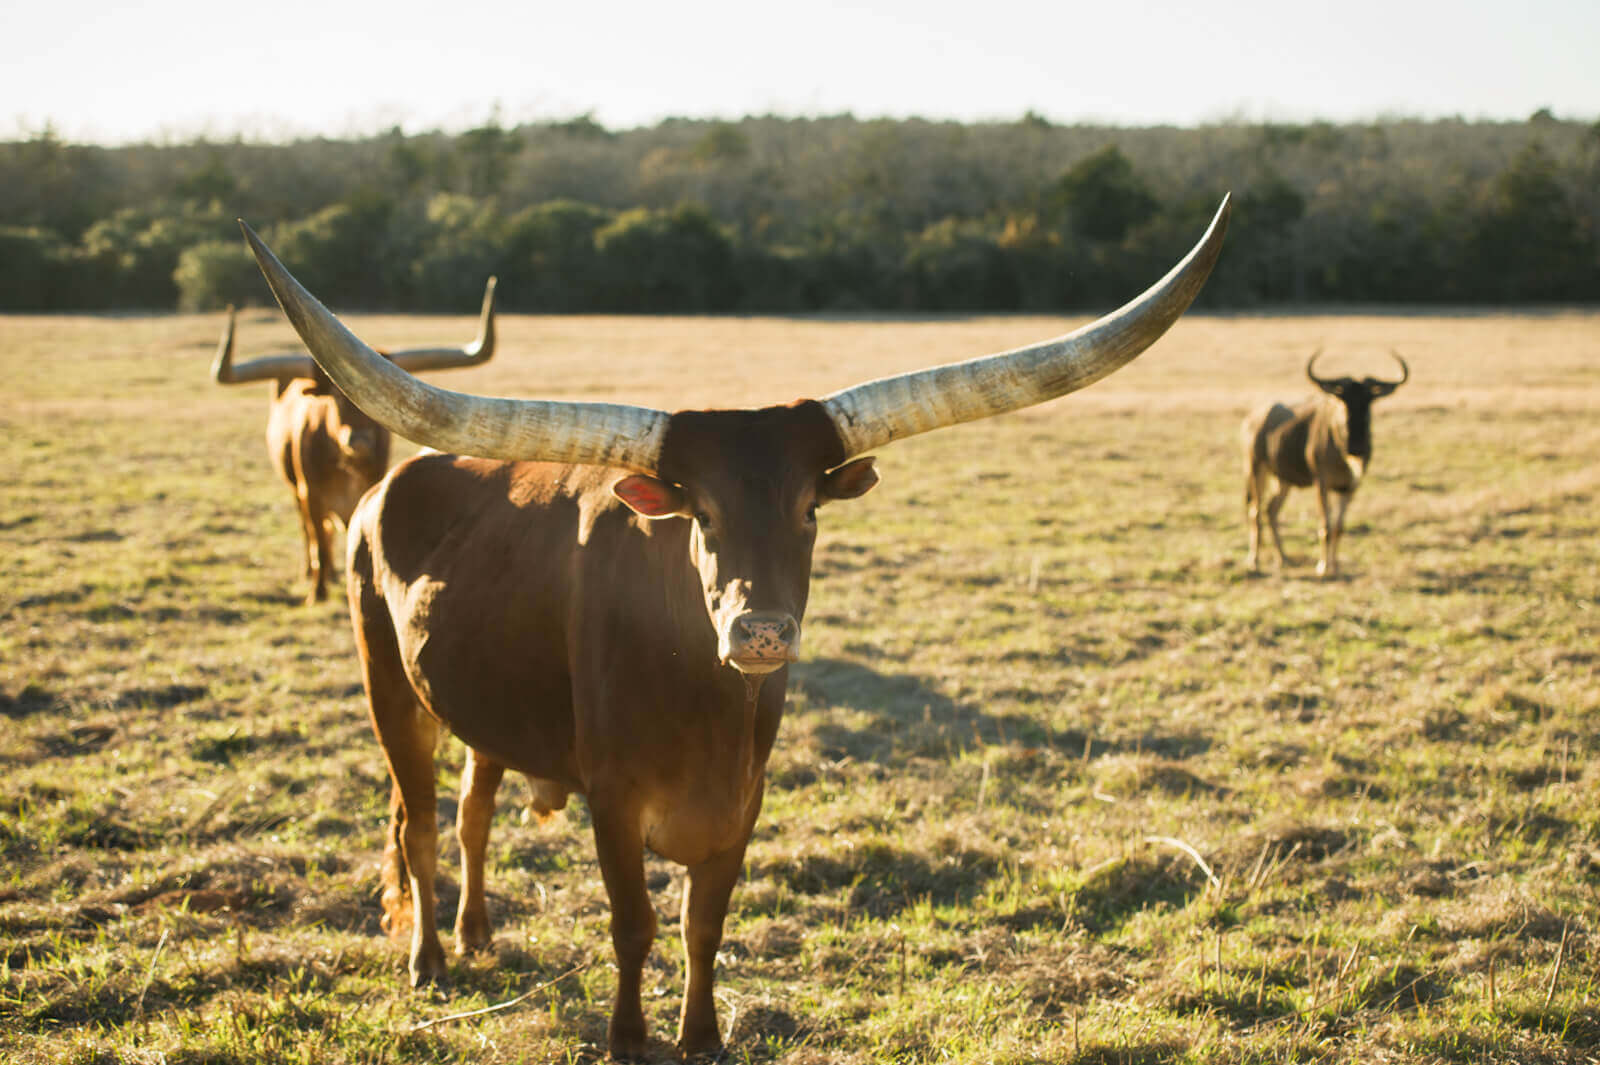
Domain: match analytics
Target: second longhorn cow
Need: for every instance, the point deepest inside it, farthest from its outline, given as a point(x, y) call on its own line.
point(321, 444)
point(607, 599)
point(1326, 441)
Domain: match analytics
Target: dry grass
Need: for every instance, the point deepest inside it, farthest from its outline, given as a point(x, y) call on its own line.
point(1030, 651)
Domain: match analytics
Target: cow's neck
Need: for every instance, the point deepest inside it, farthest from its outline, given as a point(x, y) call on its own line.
point(751, 762)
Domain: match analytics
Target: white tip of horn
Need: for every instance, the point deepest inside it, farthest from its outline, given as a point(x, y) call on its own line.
point(480, 351)
point(222, 365)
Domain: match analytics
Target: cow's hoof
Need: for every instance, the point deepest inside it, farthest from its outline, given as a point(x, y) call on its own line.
point(620, 1049)
point(625, 1041)
point(475, 941)
point(428, 967)
point(702, 1049)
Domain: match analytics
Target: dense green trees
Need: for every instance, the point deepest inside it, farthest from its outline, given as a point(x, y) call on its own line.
point(804, 214)
point(677, 260)
point(33, 265)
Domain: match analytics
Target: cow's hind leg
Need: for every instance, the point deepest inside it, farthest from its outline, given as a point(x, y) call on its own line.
point(314, 524)
point(308, 538)
point(408, 736)
point(1255, 491)
point(705, 909)
point(1274, 505)
point(480, 778)
point(1325, 535)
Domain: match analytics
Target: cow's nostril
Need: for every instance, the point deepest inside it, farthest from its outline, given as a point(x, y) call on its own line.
point(764, 635)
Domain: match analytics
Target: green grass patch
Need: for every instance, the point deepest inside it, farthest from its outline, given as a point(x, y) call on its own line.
point(1034, 662)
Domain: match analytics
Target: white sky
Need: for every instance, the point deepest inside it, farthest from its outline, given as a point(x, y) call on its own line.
point(112, 72)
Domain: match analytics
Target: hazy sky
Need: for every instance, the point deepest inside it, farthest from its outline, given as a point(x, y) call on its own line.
point(171, 69)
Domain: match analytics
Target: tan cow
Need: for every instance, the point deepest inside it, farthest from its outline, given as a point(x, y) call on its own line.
point(320, 443)
point(1325, 441)
point(607, 600)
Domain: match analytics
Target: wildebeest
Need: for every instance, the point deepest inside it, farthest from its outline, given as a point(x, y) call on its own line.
point(607, 598)
point(327, 450)
point(1325, 441)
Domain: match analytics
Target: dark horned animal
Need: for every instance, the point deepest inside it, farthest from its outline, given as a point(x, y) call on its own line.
point(321, 444)
point(1326, 441)
point(607, 600)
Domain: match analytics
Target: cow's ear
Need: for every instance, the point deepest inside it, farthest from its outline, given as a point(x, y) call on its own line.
point(651, 497)
point(850, 481)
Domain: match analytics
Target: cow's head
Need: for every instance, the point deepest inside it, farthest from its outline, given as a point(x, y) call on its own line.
point(363, 443)
point(1357, 397)
point(750, 481)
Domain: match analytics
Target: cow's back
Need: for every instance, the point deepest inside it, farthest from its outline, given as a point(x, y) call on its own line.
point(1276, 435)
point(285, 423)
point(304, 443)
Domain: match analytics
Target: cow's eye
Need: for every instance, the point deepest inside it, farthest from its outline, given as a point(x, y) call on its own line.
point(811, 513)
point(702, 519)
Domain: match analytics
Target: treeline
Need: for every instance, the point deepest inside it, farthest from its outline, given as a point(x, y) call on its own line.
point(773, 214)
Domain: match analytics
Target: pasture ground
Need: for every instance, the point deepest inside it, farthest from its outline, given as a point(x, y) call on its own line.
point(1034, 666)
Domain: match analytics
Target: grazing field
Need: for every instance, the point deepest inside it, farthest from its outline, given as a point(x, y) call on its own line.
point(1058, 781)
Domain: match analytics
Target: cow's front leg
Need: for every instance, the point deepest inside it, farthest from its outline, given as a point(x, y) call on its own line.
point(1337, 505)
point(633, 920)
point(1325, 535)
point(705, 908)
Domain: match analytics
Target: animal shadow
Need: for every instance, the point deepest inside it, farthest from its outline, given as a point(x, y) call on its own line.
point(912, 718)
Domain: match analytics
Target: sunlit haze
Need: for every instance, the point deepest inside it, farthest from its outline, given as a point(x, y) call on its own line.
point(175, 69)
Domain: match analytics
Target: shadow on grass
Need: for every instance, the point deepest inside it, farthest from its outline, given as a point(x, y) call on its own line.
point(884, 880)
point(915, 718)
point(1154, 1053)
point(30, 699)
point(1114, 892)
point(1575, 1027)
point(1496, 579)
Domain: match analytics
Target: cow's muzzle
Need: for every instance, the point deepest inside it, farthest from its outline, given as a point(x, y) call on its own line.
point(761, 641)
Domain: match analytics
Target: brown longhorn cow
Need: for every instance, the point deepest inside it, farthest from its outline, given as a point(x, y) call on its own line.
point(607, 599)
point(321, 444)
point(1325, 441)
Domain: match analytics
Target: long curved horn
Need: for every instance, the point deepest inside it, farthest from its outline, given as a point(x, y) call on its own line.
point(602, 433)
point(1405, 371)
point(1311, 374)
point(477, 353)
point(266, 368)
point(872, 414)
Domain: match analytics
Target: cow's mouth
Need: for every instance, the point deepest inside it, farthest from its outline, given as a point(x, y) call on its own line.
point(756, 664)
